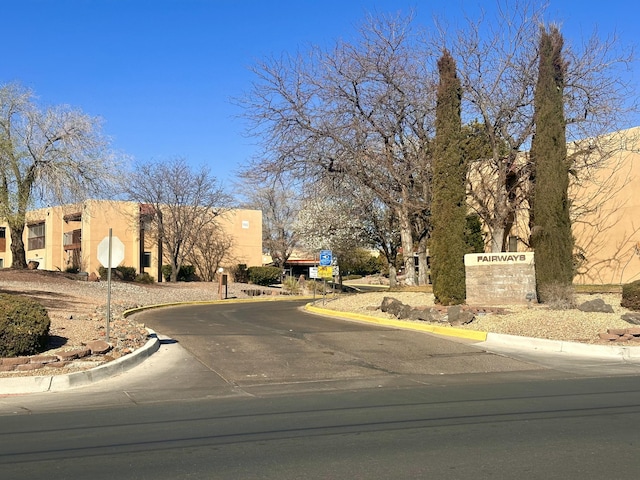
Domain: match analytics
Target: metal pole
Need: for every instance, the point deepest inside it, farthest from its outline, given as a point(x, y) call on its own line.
point(109, 287)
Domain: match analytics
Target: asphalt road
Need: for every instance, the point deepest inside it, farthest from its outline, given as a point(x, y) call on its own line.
point(573, 429)
point(266, 391)
point(277, 345)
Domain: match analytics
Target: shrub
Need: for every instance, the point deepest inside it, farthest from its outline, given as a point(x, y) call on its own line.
point(127, 274)
point(240, 273)
point(24, 326)
point(291, 285)
point(264, 276)
point(144, 278)
point(187, 273)
point(71, 269)
point(631, 296)
point(558, 296)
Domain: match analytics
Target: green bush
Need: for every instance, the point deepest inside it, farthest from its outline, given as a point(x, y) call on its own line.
point(240, 273)
point(360, 262)
point(24, 326)
point(187, 273)
point(631, 296)
point(126, 274)
point(144, 278)
point(264, 276)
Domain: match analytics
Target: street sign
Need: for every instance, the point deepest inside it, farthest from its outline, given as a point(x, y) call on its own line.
point(117, 252)
point(326, 258)
point(325, 272)
point(313, 272)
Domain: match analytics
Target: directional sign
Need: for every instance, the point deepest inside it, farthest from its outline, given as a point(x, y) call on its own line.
point(325, 258)
point(117, 252)
point(325, 272)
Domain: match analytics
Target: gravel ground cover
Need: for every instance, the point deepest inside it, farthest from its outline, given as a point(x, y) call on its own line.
point(534, 321)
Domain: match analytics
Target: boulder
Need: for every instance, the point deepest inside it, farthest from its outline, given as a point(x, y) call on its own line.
point(595, 305)
point(631, 317)
point(463, 318)
point(453, 313)
point(395, 307)
point(33, 265)
point(425, 315)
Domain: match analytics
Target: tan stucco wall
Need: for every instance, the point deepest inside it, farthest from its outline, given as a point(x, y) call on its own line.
point(98, 216)
point(609, 233)
point(245, 226)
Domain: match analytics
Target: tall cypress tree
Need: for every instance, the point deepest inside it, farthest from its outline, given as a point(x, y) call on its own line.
point(447, 244)
point(551, 233)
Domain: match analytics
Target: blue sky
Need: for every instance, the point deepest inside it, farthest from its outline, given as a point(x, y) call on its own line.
point(161, 73)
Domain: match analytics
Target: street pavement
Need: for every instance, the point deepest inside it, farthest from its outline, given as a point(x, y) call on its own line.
point(467, 354)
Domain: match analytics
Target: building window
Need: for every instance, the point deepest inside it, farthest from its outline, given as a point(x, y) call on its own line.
point(146, 259)
point(35, 236)
point(3, 240)
point(513, 243)
point(245, 224)
point(1, 262)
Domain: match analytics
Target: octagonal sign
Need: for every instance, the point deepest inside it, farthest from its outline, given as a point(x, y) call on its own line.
point(117, 252)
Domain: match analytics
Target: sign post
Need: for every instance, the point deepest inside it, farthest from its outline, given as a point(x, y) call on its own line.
point(110, 254)
point(324, 270)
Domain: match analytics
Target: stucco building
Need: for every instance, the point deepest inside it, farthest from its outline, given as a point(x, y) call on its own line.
point(68, 236)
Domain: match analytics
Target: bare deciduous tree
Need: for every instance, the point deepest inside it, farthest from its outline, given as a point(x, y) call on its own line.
point(361, 110)
point(185, 203)
point(280, 204)
point(47, 155)
point(497, 61)
point(211, 250)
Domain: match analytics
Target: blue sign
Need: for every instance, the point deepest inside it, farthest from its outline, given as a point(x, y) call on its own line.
point(326, 258)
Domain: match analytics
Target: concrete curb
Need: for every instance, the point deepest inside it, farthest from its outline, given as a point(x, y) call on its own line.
point(619, 352)
point(404, 324)
point(56, 383)
point(487, 339)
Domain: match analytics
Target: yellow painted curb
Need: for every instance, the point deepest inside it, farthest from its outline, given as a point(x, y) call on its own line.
point(131, 311)
point(420, 327)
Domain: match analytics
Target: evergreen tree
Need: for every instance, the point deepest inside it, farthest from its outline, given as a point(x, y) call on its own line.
point(551, 233)
point(447, 246)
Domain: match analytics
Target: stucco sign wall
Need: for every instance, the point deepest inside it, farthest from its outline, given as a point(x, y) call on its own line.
point(505, 278)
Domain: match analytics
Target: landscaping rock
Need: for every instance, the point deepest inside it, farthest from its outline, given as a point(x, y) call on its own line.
point(631, 317)
point(98, 346)
point(453, 313)
point(462, 318)
point(595, 305)
point(425, 315)
point(395, 307)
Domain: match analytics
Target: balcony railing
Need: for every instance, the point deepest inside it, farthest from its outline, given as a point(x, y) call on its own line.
point(72, 240)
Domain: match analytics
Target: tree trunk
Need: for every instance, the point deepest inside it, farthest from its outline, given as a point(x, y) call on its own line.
point(18, 253)
point(393, 278)
point(423, 273)
point(497, 238)
point(406, 238)
point(174, 272)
